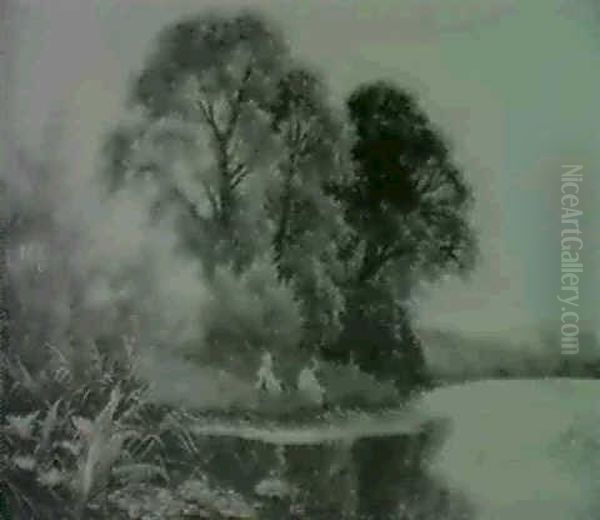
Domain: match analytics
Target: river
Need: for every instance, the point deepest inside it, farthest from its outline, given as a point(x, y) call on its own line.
point(485, 450)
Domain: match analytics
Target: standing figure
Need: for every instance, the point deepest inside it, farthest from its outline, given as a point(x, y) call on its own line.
point(266, 381)
point(308, 384)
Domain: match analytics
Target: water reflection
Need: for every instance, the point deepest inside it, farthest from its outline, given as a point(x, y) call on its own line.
point(372, 478)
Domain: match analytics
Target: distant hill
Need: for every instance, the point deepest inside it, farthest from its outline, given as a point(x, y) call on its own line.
point(457, 356)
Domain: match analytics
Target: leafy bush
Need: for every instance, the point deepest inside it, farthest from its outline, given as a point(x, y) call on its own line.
point(68, 445)
point(347, 386)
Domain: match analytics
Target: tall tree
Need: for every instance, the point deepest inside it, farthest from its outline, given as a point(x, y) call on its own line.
point(408, 209)
point(308, 220)
point(410, 200)
point(203, 94)
point(240, 143)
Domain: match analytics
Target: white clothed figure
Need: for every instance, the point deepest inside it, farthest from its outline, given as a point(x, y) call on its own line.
point(265, 376)
point(308, 384)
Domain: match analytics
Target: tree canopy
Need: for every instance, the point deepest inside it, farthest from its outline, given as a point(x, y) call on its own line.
point(318, 221)
point(409, 201)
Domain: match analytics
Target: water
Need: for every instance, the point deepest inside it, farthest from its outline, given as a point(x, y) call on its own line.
point(519, 449)
point(368, 468)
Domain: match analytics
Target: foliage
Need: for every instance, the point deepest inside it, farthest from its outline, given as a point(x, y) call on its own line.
point(101, 450)
point(309, 223)
point(409, 199)
point(70, 443)
point(239, 143)
point(407, 208)
point(347, 387)
point(252, 311)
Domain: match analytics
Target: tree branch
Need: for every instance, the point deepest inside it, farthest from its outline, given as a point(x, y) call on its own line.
point(239, 173)
point(236, 105)
point(212, 198)
point(374, 260)
point(286, 206)
point(209, 116)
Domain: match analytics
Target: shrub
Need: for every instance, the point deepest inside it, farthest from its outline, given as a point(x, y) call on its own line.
point(68, 445)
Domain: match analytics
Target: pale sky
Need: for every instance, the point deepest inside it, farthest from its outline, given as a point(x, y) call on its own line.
point(514, 84)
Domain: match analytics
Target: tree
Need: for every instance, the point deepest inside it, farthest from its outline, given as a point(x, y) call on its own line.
point(309, 223)
point(203, 96)
point(377, 335)
point(239, 143)
point(410, 201)
point(407, 207)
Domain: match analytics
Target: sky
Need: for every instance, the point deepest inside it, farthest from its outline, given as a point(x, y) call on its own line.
point(512, 84)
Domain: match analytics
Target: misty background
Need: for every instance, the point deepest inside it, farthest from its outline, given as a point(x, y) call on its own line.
point(92, 276)
point(513, 85)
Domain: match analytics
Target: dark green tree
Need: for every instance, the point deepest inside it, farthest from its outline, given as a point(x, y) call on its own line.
point(409, 201)
point(408, 210)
